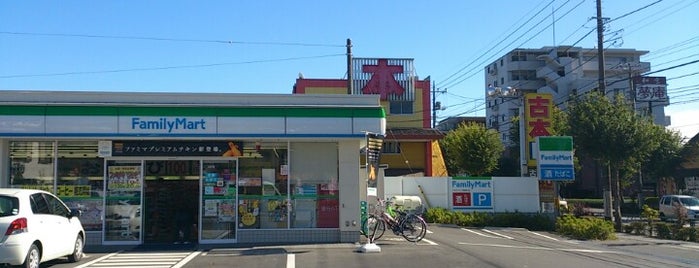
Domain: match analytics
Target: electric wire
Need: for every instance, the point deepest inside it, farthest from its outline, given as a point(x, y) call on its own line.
point(169, 67)
point(491, 47)
point(173, 39)
point(459, 79)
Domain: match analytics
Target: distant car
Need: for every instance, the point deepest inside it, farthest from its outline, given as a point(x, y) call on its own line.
point(562, 203)
point(670, 204)
point(37, 227)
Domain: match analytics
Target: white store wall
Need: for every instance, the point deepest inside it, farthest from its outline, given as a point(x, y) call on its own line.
point(509, 193)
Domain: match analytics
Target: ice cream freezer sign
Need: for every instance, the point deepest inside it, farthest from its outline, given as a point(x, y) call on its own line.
point(555, 158)
point(472, 193)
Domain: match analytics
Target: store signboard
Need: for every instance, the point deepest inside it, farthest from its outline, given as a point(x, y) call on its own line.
point(537, 118)
point(650, 88)
point(391, 79)
point(555, 158)
point(176, 148)
point(373, 159)
point(167, 125)
point(472, 193)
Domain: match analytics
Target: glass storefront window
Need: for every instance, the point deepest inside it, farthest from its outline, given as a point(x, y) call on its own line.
point(218, 210)
point(263, 187)
point(123, 201)
point(81, 180)
point(314, 173)
point(32, 165)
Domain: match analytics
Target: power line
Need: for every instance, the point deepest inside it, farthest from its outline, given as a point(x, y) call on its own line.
point(172, 39)
point(661, 15)
point(540, 22)
point(493, 47)
point(168, 67)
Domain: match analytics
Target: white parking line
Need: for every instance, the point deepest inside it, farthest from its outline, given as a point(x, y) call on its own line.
point(479, 233)
point(98, 260)
point(498, 234)
point(541, 248)
point(290, 260)
point(186, 259)
point(545, 236)
point(430, 242)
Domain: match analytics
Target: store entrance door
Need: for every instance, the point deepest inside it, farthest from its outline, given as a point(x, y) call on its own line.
point(171, 201)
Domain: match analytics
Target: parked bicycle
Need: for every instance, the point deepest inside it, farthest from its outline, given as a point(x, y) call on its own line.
point(407, 224)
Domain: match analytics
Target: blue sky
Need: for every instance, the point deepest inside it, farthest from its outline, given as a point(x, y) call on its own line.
point(262, 46)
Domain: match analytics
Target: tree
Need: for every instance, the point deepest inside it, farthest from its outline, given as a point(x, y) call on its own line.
point(472, 149)
point(612, 133)
point(663, 161)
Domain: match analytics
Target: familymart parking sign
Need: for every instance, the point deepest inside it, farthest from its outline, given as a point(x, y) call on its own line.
point(472, 193)
point(555, 161)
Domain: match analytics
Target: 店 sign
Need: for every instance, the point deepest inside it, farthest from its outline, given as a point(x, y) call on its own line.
point(555, 161)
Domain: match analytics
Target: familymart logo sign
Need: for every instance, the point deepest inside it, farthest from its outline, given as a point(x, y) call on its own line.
point(555, 162)
point(168, 125)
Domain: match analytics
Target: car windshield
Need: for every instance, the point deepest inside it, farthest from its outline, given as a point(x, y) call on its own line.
point(8, 206)
point(692, 201)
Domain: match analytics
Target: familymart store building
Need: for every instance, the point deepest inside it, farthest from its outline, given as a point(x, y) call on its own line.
point(156, 168)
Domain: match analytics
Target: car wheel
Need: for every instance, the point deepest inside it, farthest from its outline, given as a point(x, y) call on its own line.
point(77, 250)
point(33, 257)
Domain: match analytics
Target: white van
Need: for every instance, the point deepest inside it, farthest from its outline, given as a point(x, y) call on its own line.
point(668, 209)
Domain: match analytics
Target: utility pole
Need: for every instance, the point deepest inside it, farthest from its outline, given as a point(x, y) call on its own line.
point(435, 104)
point(600, 48)
point(602, 88)
point(349, 67)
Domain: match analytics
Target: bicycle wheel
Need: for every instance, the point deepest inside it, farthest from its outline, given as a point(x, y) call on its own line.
point(375, 226)
point(413, 228)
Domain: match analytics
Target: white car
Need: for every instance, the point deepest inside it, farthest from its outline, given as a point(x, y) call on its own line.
point(35, 227)
point(670, 204)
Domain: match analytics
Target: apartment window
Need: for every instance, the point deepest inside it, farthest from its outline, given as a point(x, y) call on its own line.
point(390, 147)
point(502, 80)
point(518, 57)
point(401, 107)
point(501, 62)
point(515, 75)
point(523, 75)
point(514, 112)
point(561, 72)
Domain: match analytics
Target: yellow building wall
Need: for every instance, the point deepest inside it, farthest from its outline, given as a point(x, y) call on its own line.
point(413, 120)
point(326, 90)
point(413, 152)
point(439, 167)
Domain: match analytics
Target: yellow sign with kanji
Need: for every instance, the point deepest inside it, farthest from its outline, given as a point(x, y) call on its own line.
point(537, 121)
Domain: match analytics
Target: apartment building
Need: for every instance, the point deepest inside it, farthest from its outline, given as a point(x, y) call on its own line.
point(565, 72)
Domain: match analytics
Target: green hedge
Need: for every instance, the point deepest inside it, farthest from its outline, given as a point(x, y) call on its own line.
point(576, 227)
point(585, 228)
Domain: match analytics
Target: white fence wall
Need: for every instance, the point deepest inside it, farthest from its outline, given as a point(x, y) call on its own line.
point(509, 193)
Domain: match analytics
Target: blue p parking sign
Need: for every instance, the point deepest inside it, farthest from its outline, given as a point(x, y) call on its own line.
point(482, 200)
